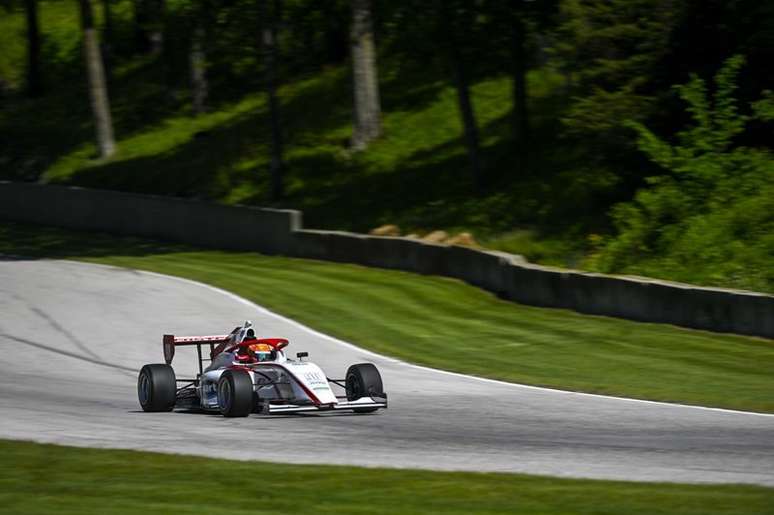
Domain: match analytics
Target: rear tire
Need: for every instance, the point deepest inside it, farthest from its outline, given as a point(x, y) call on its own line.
point(235, 394)
point(156, 388)
point(363, 380)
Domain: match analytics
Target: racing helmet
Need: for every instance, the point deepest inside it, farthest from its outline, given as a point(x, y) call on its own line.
point(262, 352)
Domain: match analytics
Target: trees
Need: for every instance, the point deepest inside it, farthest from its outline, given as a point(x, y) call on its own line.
point(149, 25)
point(520, 117)
point(198, 56)
point(711, 215)
point(610, 50)
point(158, 20)
point(525, 18)
point(271, 16)
point(335, 30)
point(97, 87)
point(34, 79)
point(108, 37)
point(454, 23)
point(611, 54)
point(141, 17)
point(367, 109)
point(516, 22)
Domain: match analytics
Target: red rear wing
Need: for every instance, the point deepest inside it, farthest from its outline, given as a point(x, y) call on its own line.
point(171, 341)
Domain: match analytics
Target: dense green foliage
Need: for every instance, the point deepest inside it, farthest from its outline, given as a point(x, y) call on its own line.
point(711, 216)
point(37, 478)
point(592, 69)
point(432, 321)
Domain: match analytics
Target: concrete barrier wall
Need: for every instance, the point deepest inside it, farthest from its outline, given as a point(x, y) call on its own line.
point(188, 221)
point(275, 231)
point(509, 277)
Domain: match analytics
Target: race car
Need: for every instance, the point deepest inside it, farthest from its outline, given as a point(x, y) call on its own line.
point(247, 375)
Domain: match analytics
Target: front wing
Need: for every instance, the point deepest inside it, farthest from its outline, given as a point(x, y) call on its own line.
point(369, 403)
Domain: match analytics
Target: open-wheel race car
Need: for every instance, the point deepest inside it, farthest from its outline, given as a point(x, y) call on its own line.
point(245, 374)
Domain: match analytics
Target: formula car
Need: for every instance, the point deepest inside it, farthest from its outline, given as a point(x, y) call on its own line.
point(247, 375)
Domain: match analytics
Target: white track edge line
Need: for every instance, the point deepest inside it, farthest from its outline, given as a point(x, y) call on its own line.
point(337, 341)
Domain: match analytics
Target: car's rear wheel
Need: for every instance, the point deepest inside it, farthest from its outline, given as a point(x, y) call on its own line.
point(156, 387)
point(363, 380)
point(235, 393)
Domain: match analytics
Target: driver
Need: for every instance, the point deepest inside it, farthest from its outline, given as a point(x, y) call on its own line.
point(261, 352)
point(255, 353)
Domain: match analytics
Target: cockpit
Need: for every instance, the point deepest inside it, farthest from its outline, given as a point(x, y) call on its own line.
point(255, 352)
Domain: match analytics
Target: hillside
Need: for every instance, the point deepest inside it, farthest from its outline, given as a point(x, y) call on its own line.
point(414, 176)
point(554, 210)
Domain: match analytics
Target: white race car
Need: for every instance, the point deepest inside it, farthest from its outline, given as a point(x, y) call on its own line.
point(246, 374)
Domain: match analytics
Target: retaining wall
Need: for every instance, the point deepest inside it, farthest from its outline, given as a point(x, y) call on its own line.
point(510, 277)
point(275, 231)
point(188, 221)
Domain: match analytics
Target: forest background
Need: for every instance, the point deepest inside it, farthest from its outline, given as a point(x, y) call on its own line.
point(622, 136)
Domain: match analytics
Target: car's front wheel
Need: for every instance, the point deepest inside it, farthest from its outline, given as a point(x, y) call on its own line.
point(235, 394)
point(363, 380)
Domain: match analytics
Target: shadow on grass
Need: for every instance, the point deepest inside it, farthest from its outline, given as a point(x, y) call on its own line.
point(35, 133)
point(206, 166)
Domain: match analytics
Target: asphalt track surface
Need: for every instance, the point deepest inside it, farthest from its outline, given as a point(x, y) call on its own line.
point(72, 337)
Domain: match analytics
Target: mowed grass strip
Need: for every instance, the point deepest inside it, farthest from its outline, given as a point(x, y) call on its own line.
point(447, 324)
point(37, 478)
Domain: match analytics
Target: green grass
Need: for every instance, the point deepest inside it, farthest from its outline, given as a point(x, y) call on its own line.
point(38, 478)
point(58, 23)
point(446, 324)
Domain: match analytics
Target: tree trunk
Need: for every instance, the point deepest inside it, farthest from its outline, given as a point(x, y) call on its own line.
point(34, 81)
point(198, 58)
point(158, 23)
point(107, 39)
point(520, 119)
point(470, 127)
point(367, 110)
point(335, 33)
point(97, 88)
point(149, 20)
point(199, 85)
point(269, 32)
point(141, 17)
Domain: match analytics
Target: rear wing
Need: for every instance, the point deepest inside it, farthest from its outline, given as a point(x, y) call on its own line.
point(170, 342)
point(216, 344)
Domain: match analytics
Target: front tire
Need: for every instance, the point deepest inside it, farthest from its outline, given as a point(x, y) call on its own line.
point(363, 380)
point(235, 394)
point(156, 388)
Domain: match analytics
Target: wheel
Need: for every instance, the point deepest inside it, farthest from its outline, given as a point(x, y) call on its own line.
point(156, 387)
point(363, 380)
point(235, 393)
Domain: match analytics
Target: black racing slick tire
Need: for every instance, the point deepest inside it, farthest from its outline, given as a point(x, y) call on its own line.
point(235, 394)
point(363, 380)
point(156, 388)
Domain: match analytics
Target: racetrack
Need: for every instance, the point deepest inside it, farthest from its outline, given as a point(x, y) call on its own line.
point(74, 335)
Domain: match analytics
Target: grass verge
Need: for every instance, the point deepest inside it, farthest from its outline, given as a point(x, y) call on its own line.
point(39, 478)
point(447, 324)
